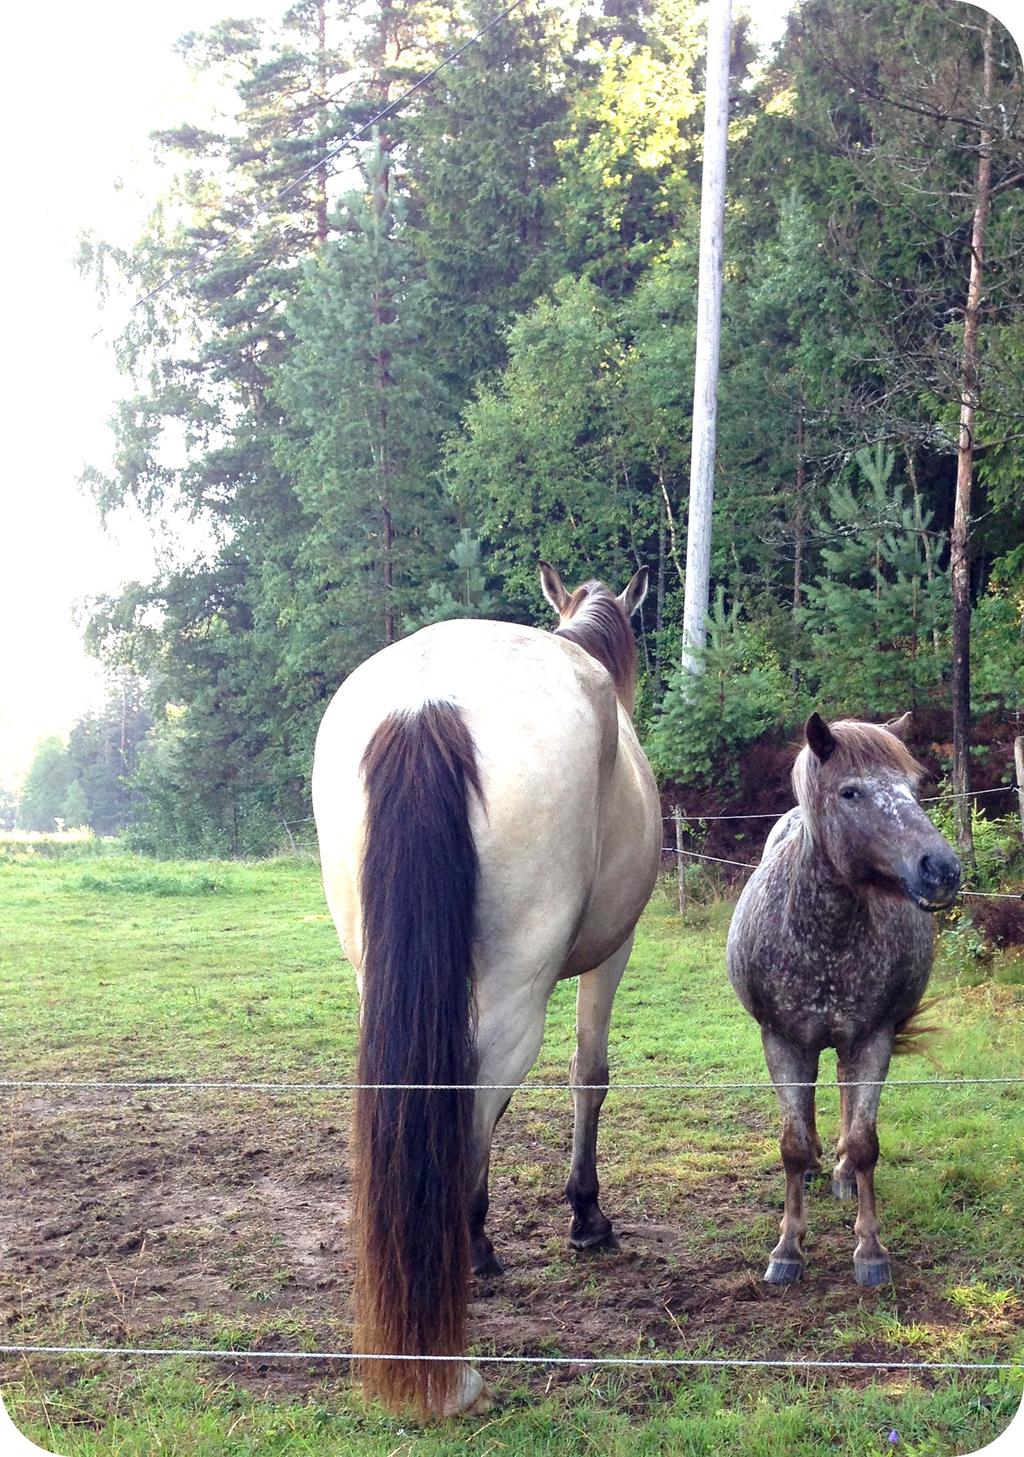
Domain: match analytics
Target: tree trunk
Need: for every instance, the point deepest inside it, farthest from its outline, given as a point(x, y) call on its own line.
point(959, 560)
point(709, 318)
point(926, 542)
point(799, 513)
point(383, 314)
point(659, 614)
point(321, 71)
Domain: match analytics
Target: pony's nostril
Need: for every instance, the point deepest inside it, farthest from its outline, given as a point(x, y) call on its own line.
point(936, 870)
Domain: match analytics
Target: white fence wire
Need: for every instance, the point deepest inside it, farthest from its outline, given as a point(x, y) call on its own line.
point(483, 1359)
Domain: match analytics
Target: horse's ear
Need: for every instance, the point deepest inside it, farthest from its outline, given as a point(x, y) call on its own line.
point(900, 726)
point(634, 593)
point(551, 586)
point(820, 737)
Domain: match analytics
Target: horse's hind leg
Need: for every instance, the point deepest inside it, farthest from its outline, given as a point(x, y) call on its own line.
point(790, 1065)
point(510, 1029)
point(867, 1069)
point(595, 993)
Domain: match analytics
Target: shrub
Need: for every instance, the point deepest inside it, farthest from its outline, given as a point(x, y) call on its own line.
point(705, 719)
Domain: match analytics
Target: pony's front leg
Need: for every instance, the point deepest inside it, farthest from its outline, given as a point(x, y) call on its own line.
point(595, 993)
point(790, 1065)
point(844, 1175)
point(866, 1069)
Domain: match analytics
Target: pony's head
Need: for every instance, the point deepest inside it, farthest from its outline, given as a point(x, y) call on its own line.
point(598, 620)
point(857, 784)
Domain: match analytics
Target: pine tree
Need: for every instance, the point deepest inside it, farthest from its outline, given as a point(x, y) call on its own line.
point(873, 611)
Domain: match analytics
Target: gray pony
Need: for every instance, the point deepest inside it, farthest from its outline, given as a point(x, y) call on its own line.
point(831, 945)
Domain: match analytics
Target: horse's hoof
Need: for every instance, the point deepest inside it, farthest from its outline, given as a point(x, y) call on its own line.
point(872, 1272)
point(488, 1264)
point(844, 1188)
point(809, 1177)
point(471, 1398)
point(784, 1272)
point(586, 1241)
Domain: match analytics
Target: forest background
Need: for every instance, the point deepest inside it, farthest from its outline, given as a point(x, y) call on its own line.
point(380, 388)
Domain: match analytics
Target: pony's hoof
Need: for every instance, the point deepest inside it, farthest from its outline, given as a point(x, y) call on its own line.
point(872, 1272)
point(809, 1177)
point(844, 1188)
point(783, 1272)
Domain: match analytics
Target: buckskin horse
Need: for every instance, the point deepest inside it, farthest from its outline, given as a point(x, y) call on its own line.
point(831, 945)
point(488, 824)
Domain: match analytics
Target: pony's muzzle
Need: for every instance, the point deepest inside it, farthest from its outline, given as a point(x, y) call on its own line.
point(936, 880)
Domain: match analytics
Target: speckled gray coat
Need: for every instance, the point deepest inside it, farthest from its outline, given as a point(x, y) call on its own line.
point(831, 945)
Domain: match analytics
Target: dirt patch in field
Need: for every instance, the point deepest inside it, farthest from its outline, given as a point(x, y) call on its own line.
point(180, 1220)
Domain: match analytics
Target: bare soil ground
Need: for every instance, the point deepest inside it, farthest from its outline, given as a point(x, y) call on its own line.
point(186, 1220)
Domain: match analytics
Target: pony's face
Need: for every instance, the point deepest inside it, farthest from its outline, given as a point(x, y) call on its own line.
point(858, 786)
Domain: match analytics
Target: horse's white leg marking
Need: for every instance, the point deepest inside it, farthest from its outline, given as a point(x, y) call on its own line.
point(799, 1145)
point(510, 1030)
point(595, 993)
point(869, 1064)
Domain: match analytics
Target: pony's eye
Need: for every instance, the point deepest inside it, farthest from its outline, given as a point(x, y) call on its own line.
point(851, 791)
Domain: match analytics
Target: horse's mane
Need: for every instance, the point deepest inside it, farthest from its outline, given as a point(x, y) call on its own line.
point(594, 619)
point(861, 747)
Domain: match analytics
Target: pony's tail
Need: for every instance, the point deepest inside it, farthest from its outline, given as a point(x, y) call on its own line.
point(412, 1147)
point(915, 1034)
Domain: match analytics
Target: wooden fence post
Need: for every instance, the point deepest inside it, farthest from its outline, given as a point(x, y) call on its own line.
point(678, 816)
point(1018, 774)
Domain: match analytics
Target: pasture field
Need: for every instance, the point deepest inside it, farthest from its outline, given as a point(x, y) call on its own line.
point(218, 1219)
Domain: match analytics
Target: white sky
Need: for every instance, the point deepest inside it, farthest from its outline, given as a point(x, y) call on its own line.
point(83, 87)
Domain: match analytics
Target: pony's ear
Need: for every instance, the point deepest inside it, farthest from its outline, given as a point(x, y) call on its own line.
point(634, 592)
point(551, 586)
point(820, 737)
point(900, 726)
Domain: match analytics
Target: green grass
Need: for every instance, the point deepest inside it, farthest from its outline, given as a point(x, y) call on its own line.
point(118, 967)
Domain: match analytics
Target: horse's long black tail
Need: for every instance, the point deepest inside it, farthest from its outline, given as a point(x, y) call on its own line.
point(412, 1147)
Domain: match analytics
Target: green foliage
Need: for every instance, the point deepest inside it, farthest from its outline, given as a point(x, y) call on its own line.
point(166, 881)
point(998, 639)
point(463, 593)
point(45, 789)
point(631, 139)
point(874, 614)
point(998, 853)
point(76, 808)
point(540, 463)
point(194, 792)
point(30, 848)
point(707, 718)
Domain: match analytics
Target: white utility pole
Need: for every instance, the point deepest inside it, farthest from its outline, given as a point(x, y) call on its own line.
point(709, 320)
